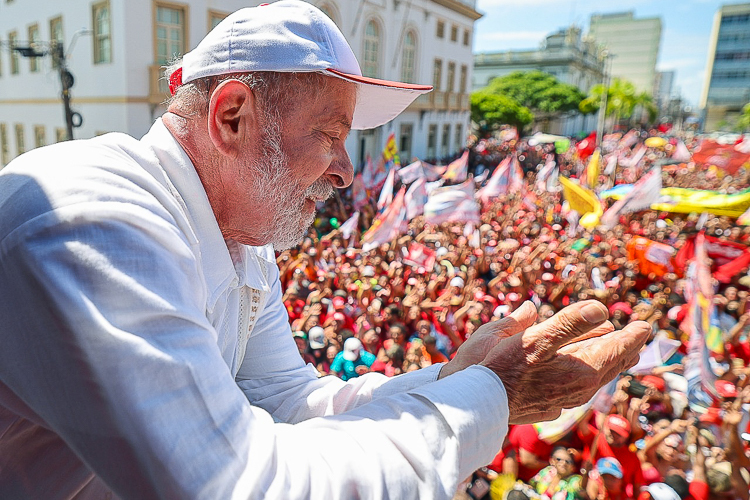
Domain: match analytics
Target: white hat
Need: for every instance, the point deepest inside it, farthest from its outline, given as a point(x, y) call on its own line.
point(457, 281)
point(293, 36)
point(368, 271)
point(317, 337)
point(501, 311)
point(351, 348)
point(662, 491)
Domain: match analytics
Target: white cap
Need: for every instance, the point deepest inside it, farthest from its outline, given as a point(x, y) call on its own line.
point(316, 337)
point(662, 491)
point(457, 281)
point(368, 271)
point(293, 36)
point(351, 348)
point(501, 311)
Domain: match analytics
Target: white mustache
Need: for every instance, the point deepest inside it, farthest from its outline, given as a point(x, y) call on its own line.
point(320, 190)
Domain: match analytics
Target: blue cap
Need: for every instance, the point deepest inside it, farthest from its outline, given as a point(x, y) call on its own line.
point(609, 466)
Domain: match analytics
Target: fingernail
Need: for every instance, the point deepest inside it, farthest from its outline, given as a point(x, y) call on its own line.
point(594, 313)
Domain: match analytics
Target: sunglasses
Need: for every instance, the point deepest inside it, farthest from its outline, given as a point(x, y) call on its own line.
point(560, 459)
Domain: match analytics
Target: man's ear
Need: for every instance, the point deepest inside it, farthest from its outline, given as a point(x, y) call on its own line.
point(232, 117)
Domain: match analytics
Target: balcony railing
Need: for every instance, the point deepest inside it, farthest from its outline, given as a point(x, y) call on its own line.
point(440, 101)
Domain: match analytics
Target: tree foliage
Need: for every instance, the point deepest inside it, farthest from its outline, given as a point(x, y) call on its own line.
point(743, 123)
point(540, 92)
point(490, 110)
point(623, 100)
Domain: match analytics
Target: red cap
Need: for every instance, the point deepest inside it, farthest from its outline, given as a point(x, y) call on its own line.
point(726, 389)
point(338, 303)
point(655, 382)
point(618, 424)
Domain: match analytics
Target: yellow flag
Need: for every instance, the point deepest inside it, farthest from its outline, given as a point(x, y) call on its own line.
point(579, 198)
point(390, 151)
point(592, 172)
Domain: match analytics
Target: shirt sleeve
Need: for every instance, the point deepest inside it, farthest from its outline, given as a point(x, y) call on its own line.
point(274, 377)
point(106, 341)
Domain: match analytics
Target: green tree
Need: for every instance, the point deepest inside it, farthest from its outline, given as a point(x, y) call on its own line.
point(743, 123)
point(543, 94)
point(490, 110)
point(623, 100)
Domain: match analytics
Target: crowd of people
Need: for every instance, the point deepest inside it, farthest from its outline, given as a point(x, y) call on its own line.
point(355, 311)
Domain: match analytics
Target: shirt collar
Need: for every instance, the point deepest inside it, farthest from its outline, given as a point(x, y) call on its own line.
point(219, 271)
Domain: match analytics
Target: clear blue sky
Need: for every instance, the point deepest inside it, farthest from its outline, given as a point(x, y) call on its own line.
point(686, 30)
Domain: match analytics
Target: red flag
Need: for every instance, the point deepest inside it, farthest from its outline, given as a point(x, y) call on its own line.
point(724, 156)
point(586, 147)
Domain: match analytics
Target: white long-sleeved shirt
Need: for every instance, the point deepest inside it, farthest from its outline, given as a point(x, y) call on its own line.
point(143, 356)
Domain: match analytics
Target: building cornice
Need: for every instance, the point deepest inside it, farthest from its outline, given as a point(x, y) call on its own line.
point(459, 7)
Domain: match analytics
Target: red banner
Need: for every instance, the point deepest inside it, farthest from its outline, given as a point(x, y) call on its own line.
point(724, 156)
point(729, 258)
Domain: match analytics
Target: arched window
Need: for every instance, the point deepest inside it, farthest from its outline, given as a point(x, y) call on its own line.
point(372, 50)
point(409, 58)
point(331, 12)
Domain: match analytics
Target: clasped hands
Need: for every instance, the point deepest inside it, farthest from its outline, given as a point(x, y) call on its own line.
point(559, 363)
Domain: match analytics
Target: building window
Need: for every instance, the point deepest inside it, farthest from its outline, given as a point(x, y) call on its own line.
point(56, 34)
point(34, 62)
point(467, 37)
point(372, 50)
point(409, 58)
point(215, 18)
point(170, 33)
point(446, 140)
point(102, 33)
point(440, 32)
point(454, 33)
point(404, 143)
point(431, 141)
point(330, 12)
point(459, 137)
point(12, 39)
point(4, 152)
point(20, 145)
point(437, 74)
point(462, 80)
point(451, 76)
point(40, 136)
point(61, 134)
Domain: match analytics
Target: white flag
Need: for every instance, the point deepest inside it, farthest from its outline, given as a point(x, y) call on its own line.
point(645, 192)
point(386, 194)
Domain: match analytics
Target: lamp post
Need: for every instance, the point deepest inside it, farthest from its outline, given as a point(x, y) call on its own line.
point(603, 104)
point(73, 119)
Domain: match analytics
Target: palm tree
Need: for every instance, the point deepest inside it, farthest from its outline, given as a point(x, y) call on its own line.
point(622, 101)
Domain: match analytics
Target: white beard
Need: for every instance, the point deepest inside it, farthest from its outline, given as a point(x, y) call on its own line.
point(284, 199)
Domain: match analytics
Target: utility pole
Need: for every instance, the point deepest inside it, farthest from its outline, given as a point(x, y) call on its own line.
point(72, 119)
point(55, 49)
point(603, 104)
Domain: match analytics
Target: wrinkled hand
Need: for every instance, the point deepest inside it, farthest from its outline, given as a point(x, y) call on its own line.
point(487, 336)
point(562, 362)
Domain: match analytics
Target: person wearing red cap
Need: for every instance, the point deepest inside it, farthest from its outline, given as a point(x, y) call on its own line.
point(613, 441)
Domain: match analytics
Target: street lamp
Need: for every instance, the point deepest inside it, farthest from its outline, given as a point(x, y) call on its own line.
point(603, 104)
point(73, 119)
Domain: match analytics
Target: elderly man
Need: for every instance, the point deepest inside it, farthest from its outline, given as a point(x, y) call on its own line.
point(146, 349)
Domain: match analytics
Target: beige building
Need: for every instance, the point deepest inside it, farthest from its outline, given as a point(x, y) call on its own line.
point(117, 63)
point(633, 44)
point(727, 86)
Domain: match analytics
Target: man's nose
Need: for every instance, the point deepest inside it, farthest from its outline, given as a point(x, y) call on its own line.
point(341, 169)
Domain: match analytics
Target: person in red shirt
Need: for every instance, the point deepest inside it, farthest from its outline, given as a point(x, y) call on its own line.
point(613, 441)
point(532, 453)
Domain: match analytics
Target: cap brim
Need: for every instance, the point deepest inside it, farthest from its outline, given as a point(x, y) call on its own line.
point(379, 101)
